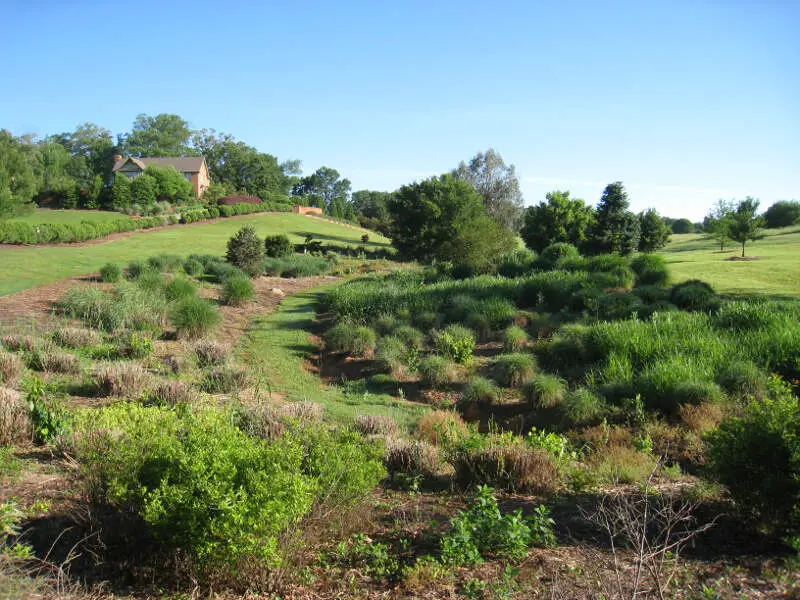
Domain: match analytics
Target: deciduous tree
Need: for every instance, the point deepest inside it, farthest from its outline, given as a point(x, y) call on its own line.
point(497, 185)
point(18, 183)
point(782, 214)
point(325, 188)
point(654, 231)
point(161, 135)
point(559, 219)
point(717, 221)
point(745, 223)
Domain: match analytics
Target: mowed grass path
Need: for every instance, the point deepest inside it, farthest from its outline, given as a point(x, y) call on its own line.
point(71, 217)
point(25, 267)
point(775, 274)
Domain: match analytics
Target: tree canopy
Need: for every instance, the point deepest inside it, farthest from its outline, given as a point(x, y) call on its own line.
point(745, 225)
point(654, 231)
point(782, 214)
point(326, 189)
point(616, 228)
point(161, 135)
point(559, 219)
point(18, 182)
point(497, 185)
point(717, 221)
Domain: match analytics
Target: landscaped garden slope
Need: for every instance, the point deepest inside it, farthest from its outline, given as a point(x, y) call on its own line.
point(71, 217)
point(21, 268)
point(775, 273)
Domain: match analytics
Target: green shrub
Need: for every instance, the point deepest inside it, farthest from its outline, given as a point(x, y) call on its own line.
point(49, 418)
point(111, 273)
point(606, 263)
point(581, 407)
point(744, 380)
point(669, 383)
point(479, 390)
point(514, 338)
point(556, 252)
point(498, 312)
point(193, 268)
point(237, 291)
point(246, 251)
point(135, 345)
point(165, 263)
point(152, 282)
point(456, 342)
point(385, 324)
point(197, 482)
point(356, 341)
point(435, 371)
point(651, 294)
point(545, 391)
point(650, 269)
point(482, 530)
point(411, 337)
point(136, 268)
point(278, 246)
point(512, 369)
point(694, 295)
point(391, 354)
point(179, 288)
point(194, 316)
point(616, 305)
point(757, 456)
point(220, 271)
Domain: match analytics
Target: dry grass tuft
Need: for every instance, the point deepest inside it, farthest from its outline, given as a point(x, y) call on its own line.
point(375, 425)
point(15, 422)
point(259, 421)
point(172, 392)
point(441, 427)
point(121, 379)
point(619, 464)
point(60, 362)
point(411, 456)
point(210, 353)
point(73, 337)
point(305, 412)
point(702, 418)
point(16, 343)
point(514, 468)
point(11, 368)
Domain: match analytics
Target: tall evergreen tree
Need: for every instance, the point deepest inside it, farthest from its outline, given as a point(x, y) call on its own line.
point(616, 228)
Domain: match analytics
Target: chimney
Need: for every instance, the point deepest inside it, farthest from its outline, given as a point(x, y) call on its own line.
point(117, 158)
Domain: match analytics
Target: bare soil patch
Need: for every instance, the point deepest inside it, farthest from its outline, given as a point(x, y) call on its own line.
point(744, 258)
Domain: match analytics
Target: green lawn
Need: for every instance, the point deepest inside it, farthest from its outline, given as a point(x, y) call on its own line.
point(276, 347)
point(24, 267)
point(43, 216)
point(776, 273)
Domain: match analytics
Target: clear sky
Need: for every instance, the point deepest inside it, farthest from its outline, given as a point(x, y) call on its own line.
point(684, 102)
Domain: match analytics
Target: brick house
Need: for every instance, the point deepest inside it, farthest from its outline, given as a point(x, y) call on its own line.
point(306, 210)
point(193, 168)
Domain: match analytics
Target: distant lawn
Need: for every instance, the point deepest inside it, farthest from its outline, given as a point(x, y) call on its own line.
point(776, 273)
point(43, 216)
point(276, 348)
point(24, 267)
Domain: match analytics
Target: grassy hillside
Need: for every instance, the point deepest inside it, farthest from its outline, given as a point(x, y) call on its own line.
point(42, 216)
point(776, 272)
point(21, 268)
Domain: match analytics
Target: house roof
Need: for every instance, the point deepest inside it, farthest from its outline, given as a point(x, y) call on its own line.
point(183, 164)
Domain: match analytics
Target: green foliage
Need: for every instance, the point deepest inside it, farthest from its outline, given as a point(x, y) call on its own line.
point(482, 530)
point(514, 338)
point(545, 391)
point(296, 266)
point(144, 190)
point(650, 269)
point(616, 305)
point(694, 295)
point(193, 316)
point(111, 273)
point(435, 371)
point(356, 341)
point(456, 342)
point(193, 267)
point(48, 417)
point(745, 224)
point(581, 407)
point(165, 263)
point(17, 179)
point(246, 251)
point(782, 213)
point(135, 345)
point(178, 288)
point(616, 229)
point(554, 444)
point(556, 252)
point(513, 369)
point(120, 192)
point(480, 390)
point(682, 226)
point(237, 291)
point(411, 337)
point(757, 456)
point(160, 135)
point(392, 354)
point(560, 220)
point(744, 380)
point(278, 246)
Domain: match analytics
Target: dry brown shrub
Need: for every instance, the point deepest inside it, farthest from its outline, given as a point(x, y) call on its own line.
point(670, 441)
point(305, 412)
point(11, 368)
point(601, 436)
point(73, 337)
point(174, 363)
point(223, 380)
point(701, 418)
point(60, 362)
point(375, 425)
point(15, 422)
point(172, 392)
point(211, 353)
point(259, 421)
point(15, 342)
point(411, 456)
point(514, 468)
point(441, 427)
point(121, 379)
point(623, 464)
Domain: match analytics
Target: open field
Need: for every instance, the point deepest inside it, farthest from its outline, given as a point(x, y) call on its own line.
point(21, 268)
point(43, 215)
point(776, 273)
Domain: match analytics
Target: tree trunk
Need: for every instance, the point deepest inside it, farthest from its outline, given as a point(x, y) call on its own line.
point(743, 243)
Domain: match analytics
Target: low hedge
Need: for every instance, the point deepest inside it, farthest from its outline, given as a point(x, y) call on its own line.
point(12, 232)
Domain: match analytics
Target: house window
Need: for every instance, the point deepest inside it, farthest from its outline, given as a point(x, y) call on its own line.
point(188, 176)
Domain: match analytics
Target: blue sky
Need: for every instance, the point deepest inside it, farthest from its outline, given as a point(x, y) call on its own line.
point(685, 102)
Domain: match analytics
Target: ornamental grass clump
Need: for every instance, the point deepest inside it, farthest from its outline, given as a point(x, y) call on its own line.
point(17, 343)
point(582, 407)
point(411, 457)
point(479, 390)
point(72, 337)
point(11, 368)
point(650, 269)
point(744, 380)
point(455, 342)
point(111, 273)
point(193, 316)
point(441, 427)
point(210, 353)
point(121, 379)
point(511, 370)
point(237, 291)
point(436, 372)
point(347, 338)
point(515, 338)
point(179, 288)
point(411, 337)
point(15, 421)
point(545, 390)
point(375, 425)
point(193, 267)
point(170, 392)
point(392, 354)
point(223, 380)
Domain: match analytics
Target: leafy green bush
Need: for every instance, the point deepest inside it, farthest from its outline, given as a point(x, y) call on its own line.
point(556, 252)
point(392, 354)
point(194, 316)
point(435, 371)
point(479, 390)
point(135, 345)
point(49, 418)
point(111, 273)
point(514, 338)
point(278, 246)
point(356, 341)
point(651, 294)
point(165, 263)
point(178, 288)
point(411, 337)
point(196, 481)
point(545, 391)
point(650, 269)
point(513, 369)
point(616, 305)
point(193, 267)
point(482, 530)
point(246, 251)
point(237, 291)
point(136, 268)
point(744, 380)
point(581, 407)
point(456, 342)
point(757, 456)
point(694, 295)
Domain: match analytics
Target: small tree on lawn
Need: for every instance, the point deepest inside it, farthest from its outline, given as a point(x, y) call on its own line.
point(654, 231)
point(717, 221)
point(246, 251)
point(121, 191)
point(745, 223)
